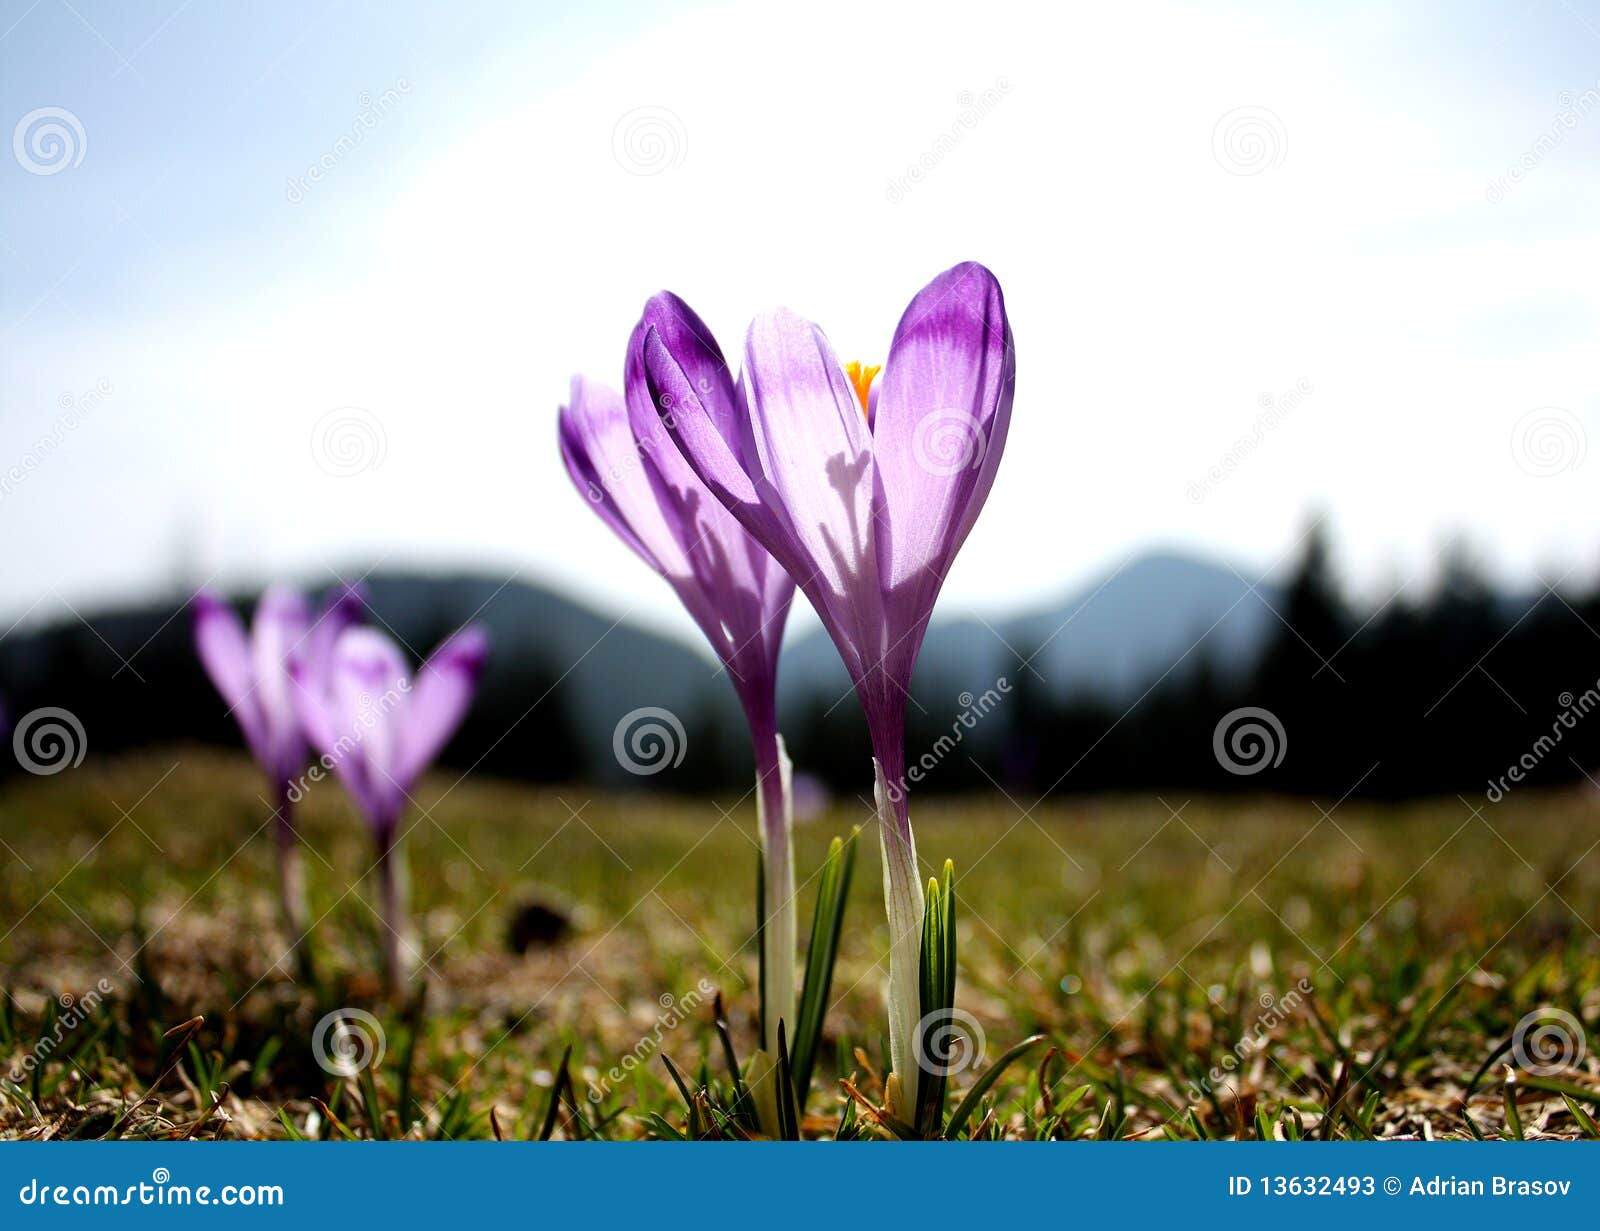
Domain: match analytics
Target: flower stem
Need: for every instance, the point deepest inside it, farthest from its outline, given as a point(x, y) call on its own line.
point(397, 950)
point(780, 930)
point(292, 888)
point(903, 904)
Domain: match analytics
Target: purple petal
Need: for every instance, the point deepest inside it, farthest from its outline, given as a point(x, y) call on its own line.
point(353, 719)
point(438, 701)
point(598, 448)
point(817, 472)
point(344, 607)
point(280, 624)
point(734, 589)
point(224, 652)
point(939, 431)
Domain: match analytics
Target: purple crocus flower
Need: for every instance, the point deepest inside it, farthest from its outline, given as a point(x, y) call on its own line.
point(864, 496)
point(623, 462)
point(378, 729)
point(252, 675)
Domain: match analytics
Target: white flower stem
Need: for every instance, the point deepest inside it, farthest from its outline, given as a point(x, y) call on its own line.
point(397, 948)
point(292, 888)
point(904, 906)
point(780, 929)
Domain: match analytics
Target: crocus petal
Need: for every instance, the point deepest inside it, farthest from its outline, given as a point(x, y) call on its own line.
point(437, 702)
point(343, 608)
point(597, 447)
point(224, 652)
point(366, 691)
point(733, 588)
point(281, 620)
point(817, 472)
point(939, 430)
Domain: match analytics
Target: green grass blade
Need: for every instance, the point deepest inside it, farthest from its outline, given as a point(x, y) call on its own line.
point(827, 926)
point(968, 1105)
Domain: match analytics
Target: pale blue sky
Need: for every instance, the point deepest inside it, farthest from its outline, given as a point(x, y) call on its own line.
point(1431, 350)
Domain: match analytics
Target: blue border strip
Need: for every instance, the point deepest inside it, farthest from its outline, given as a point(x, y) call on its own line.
point(772, 1185)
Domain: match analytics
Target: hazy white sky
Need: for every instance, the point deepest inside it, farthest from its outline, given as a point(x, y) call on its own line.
point(1191, 214)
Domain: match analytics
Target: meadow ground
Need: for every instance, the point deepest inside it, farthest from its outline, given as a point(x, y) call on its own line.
point(1199, 967)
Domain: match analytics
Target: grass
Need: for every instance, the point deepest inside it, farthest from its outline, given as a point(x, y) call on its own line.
point(1204, 968)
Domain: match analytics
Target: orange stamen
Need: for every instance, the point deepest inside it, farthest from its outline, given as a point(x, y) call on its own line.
point(861, 376)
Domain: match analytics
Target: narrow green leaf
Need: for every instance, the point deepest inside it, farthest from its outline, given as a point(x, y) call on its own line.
point(968, 1105)
point(827, 926)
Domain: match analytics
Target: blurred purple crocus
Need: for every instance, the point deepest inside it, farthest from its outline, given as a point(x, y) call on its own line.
point(378, 730)
point(624, 463)
point(252, 674)
point(864, 495)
